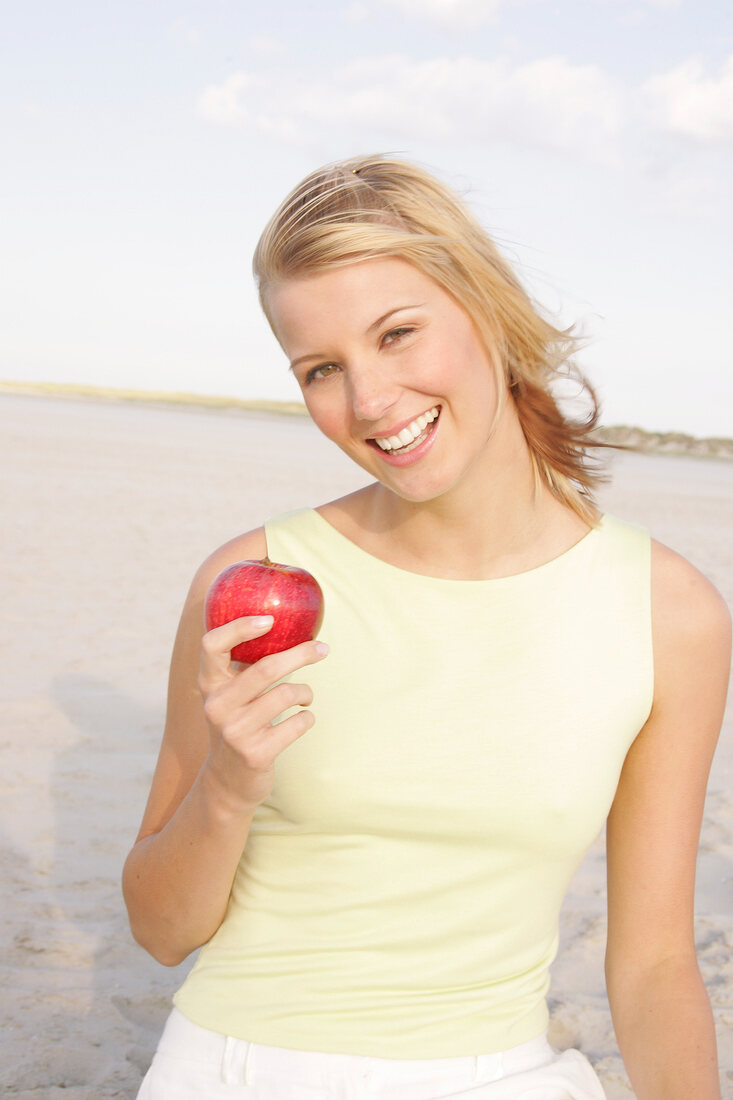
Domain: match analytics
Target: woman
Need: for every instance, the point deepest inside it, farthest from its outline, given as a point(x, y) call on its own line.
point(378, 880)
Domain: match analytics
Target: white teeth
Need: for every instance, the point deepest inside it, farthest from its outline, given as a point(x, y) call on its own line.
point(409, 434)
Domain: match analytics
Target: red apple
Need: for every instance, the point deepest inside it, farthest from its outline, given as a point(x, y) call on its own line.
point(291, 595)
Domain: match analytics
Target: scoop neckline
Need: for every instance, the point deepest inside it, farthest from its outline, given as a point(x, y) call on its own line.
point(588, 539)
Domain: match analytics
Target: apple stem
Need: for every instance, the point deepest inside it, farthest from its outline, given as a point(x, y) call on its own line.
point(265, 560)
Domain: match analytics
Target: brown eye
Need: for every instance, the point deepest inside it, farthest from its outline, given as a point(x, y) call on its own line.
point(324, 370)
point(396, 334)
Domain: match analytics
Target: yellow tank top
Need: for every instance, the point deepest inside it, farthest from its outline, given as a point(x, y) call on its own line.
point(399, 892)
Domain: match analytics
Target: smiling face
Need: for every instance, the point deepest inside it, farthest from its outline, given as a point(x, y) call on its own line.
point(392, 370)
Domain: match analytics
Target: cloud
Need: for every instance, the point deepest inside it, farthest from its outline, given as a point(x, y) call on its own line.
point(185, 31)
point(266, 45)
point(394, 99)
point(462, 15)
point(457, 15)
point(356, 12)
point(226, 104)
point(688, 101)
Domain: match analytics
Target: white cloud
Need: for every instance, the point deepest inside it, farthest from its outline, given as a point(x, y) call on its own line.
point(688, 101)
point(453, 14)
point(185, 31)
point(464, 15)
point(226, 104)
point(356, 12)
point(393, 98)
point(265, 45)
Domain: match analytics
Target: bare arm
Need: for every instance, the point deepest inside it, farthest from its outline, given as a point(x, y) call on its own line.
point(215, 767)
point(660, 1008)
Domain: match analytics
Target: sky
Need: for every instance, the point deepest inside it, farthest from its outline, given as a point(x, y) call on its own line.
point(145, 144)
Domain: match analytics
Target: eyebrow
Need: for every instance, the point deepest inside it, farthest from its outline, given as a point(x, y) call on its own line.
point(374, 325)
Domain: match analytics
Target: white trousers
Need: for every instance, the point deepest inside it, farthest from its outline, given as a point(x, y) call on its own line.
point(192, 1063)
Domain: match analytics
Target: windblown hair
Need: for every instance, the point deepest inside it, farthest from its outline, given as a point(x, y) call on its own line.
point(372, 207)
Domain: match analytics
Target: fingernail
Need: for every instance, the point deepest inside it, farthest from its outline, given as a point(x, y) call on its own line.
point(321, 649)
point(262, 620)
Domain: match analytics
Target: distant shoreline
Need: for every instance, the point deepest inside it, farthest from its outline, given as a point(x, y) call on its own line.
point(151, 397)
point(636, 439)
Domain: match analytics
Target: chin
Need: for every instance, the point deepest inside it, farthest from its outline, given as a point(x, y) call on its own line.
point(418, 494)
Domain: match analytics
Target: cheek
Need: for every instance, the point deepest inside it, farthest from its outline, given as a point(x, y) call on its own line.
point(328, 414)
point(483, 372)
point(462, 370)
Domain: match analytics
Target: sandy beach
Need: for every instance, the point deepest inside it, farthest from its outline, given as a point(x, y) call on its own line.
point(108, 508)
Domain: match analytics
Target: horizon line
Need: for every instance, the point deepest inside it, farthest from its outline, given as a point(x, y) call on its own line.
point(632, 435)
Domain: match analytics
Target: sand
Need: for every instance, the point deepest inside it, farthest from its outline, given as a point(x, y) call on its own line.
point(107, 510)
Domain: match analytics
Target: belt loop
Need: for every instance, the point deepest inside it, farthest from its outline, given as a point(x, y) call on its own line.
point(245, 1064)
point(234, 1061)
point(228, 1067)
point(489, 1067)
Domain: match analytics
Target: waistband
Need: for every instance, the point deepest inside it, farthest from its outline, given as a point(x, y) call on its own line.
point(238, 1060)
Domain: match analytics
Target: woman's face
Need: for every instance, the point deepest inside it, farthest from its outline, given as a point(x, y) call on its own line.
point(392, 370)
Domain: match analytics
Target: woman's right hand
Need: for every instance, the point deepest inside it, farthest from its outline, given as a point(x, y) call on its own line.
point(242, 704)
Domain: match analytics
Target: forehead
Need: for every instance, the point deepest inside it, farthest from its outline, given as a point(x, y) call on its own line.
point(354, 296)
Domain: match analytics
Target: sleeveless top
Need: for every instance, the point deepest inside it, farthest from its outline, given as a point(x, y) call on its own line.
point(399, 892)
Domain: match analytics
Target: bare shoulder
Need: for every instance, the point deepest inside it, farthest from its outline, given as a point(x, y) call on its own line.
point(687, 608)
point(691, 631)
point(252, 545)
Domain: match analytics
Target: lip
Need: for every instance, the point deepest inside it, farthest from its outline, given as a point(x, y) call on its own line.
point(415, 455)
point(397, 428)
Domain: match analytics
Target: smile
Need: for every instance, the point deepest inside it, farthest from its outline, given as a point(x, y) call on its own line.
point(411, 436)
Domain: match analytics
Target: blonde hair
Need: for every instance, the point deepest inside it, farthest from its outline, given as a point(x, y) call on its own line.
point(371, 207)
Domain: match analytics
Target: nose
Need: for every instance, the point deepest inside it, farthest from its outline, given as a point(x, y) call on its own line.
point(372, 391)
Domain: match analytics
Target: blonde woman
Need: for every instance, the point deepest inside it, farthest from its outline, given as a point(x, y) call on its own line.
point(377, 880)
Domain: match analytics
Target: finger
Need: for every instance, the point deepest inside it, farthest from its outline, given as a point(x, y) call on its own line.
point(236, 711)
point(217, 644)
point(259, 753)
point(247, 729)
point(261, 750)
point(269, 706)
point(268, 670)
point(290, 729)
